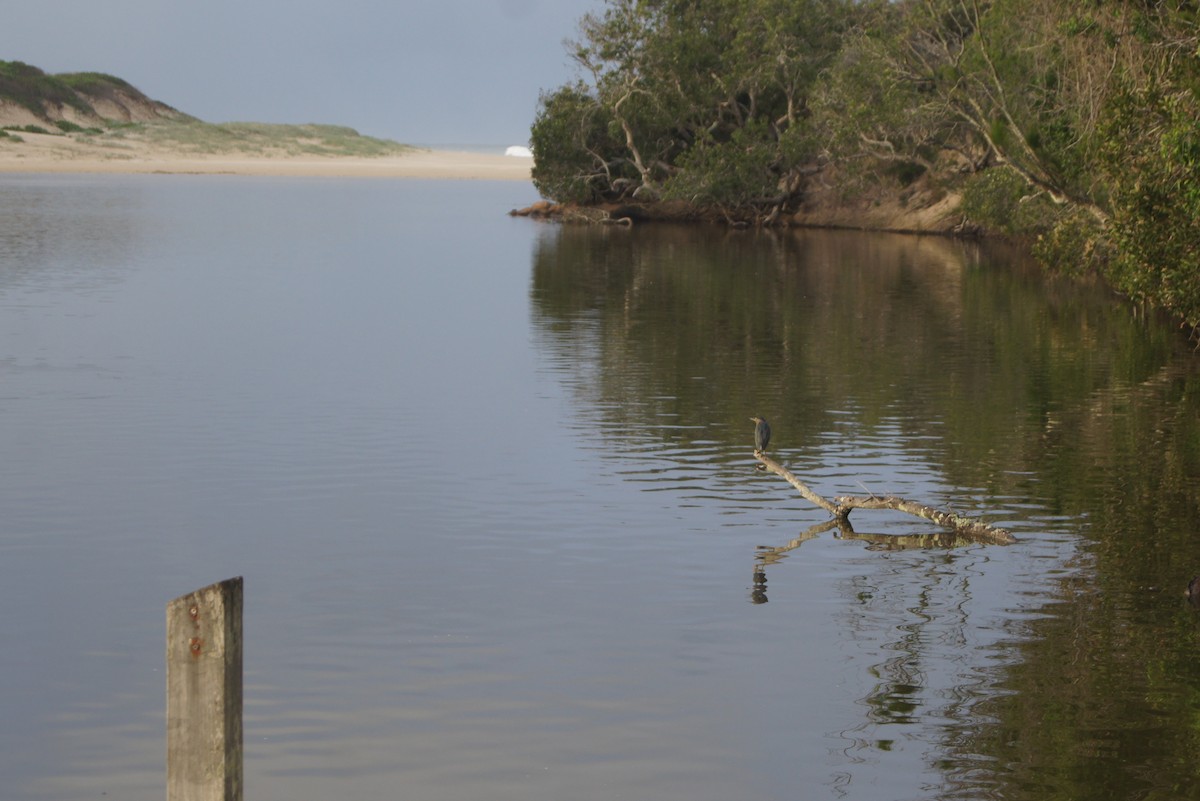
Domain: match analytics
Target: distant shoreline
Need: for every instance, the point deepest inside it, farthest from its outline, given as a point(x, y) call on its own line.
point(45, 153)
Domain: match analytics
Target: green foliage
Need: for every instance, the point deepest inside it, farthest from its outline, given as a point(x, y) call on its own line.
point(28, 86)
point(66, 126)
point(1154, 159)
point(1075, 244)
point(576, 156)
point(1068, 122)
point(999, 199)
point(98, 86)
point(694, 98)
point(33, 129)
point(46, 95)
point(95, 83)
point(739, 172)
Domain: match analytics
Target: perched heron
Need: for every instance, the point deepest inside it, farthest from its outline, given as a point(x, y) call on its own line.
point(762, 433)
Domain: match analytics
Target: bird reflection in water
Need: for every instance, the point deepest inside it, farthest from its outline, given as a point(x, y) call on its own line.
point(758, 593)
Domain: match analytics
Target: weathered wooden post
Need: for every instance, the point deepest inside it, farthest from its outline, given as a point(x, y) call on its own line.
point(204, 694)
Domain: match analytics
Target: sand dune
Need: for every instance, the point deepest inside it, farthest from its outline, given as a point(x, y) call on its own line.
point(49, 153)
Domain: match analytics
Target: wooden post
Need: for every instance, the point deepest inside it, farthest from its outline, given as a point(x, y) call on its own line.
point(204, 694)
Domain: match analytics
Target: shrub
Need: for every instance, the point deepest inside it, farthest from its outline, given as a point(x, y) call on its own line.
point(737, 172)
point(1153, 155)
point(575, 157)
point(1075, 245)
point(1000, 200)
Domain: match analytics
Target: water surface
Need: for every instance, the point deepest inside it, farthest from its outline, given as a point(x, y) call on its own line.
point(490, 485)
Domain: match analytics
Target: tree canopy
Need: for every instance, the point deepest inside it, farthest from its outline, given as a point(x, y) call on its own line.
point(1073, 123)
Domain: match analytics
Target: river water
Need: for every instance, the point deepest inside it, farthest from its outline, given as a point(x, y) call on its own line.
point(490, 483)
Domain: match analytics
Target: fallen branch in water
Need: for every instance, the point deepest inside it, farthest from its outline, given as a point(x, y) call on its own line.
point(841, 507)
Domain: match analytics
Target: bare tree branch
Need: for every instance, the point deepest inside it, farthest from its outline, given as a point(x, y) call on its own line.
point(840, 508)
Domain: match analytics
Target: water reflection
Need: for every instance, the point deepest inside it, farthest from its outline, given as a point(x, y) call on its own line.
point(516, 546)
point(931, 369)
point(914, 344)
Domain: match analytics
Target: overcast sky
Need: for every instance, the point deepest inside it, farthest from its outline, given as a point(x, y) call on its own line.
point(433, 72)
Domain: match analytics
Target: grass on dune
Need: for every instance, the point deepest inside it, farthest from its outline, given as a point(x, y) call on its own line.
point(265, 139)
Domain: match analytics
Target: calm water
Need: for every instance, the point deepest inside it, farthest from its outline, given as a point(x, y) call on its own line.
point(490, 486)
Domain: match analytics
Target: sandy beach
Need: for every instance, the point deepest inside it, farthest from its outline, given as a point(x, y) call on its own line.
point(40, 153)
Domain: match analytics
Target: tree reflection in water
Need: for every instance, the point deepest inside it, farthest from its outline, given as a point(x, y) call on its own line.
point(958, 372)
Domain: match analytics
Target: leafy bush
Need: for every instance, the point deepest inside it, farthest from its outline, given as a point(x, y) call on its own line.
point(740, 171)
point(999, 200)
point(1075, 245)
point(575, 157)
point(1153, 155)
